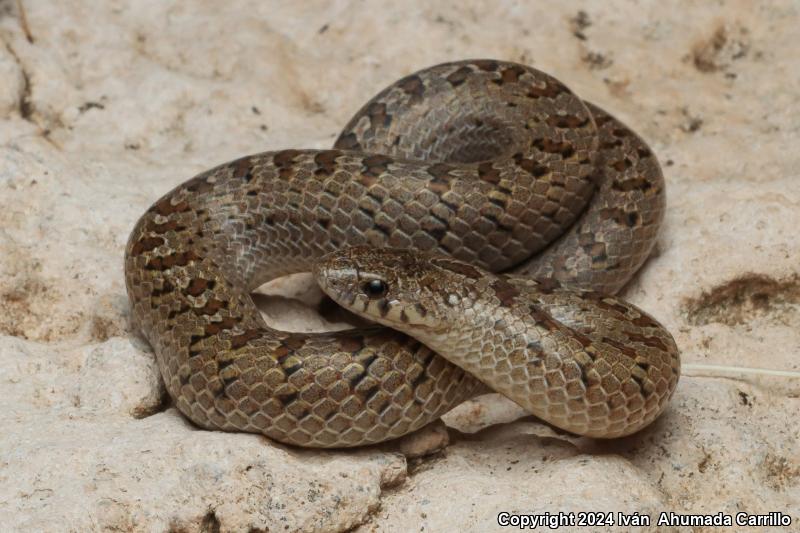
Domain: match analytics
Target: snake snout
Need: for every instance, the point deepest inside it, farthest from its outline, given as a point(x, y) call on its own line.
point(337, 276)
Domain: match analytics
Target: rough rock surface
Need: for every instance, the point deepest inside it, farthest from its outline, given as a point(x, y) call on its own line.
point(104, 106)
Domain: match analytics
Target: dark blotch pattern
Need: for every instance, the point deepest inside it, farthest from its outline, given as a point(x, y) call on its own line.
point(459, 76)
point(376, 165)
point(505, 291)
point(326, 162)
point(458, 267)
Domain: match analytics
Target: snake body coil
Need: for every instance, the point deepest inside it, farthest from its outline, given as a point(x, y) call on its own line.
point(495, 164)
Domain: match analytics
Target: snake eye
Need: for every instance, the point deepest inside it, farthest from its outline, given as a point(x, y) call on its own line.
point(375, 288)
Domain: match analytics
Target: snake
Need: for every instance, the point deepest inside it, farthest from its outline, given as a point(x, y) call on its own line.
point(480, 209)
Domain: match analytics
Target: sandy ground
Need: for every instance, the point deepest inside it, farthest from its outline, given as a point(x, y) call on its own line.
point(104, 106)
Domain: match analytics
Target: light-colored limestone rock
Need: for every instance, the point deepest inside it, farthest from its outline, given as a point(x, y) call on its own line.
point(12, 91)
point(429, 440)
point(114, 361)
point(110, 104)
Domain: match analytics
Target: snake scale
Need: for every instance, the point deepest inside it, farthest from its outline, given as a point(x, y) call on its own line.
point(493, 167)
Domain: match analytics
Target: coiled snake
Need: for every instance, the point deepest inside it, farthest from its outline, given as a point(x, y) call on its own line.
point(496, 166)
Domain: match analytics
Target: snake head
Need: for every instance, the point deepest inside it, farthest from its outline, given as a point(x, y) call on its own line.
point(403, 289)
